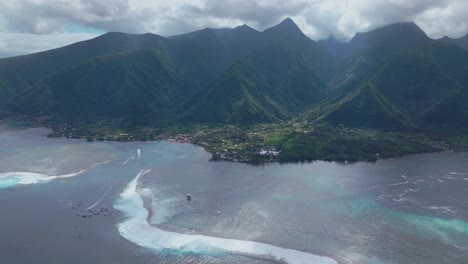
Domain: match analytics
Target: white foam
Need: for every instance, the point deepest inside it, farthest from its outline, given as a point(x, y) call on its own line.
point(137, 230)
point(444, 209)
point(400, 197)
point(382, 196)
point(457, 173)
point(423, 181)
point(27, 178)
point(389, 185)
point(138, 154)
point(398, 183)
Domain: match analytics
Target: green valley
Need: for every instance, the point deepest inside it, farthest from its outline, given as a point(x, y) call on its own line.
point(251, 96)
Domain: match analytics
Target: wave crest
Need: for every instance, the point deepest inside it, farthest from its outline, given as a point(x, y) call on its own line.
point(137, 230)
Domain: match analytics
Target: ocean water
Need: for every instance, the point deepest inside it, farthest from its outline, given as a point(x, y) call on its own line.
point(69, 201)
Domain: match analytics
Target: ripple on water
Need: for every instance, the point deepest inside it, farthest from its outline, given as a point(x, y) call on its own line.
point(137, 230)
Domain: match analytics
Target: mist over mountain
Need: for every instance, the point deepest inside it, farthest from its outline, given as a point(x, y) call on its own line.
point(391, 78)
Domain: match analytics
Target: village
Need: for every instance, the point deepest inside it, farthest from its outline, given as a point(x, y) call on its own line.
point(232, 143)
point(293, 140)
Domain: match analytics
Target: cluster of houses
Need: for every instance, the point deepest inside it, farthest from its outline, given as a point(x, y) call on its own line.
point(269, 151)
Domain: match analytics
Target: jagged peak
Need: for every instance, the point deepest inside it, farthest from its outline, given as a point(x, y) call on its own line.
point(245, 27)
point(445, 38)
point(288, 21)
point(286, 26)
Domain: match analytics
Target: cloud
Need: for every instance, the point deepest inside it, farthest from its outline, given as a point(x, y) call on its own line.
point(344, 19)
point(51, 16)
point(317, 18)
point(12, 44)
point(260, 13)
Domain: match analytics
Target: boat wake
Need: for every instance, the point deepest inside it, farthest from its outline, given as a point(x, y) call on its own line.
point(100, 200)
point(137, 230)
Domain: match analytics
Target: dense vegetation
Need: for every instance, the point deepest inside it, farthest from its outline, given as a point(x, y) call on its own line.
point(384, 86)
point(327, 143)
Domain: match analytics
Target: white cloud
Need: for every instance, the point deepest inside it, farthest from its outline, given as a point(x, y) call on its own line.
point(317, 18)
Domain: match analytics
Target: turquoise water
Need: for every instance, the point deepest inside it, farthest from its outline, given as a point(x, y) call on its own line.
point(409, 210)
point(8, 182)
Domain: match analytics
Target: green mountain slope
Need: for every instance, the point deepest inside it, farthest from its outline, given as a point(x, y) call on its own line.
point(139, 85)
point(269, 85)
point(288, 36)
point(289, 79)
point(20, 74)
point(414, 88)
point(415, 80)
point(200, 56)
point(234, 98)
point(391, 78)
point(362, 55)
point(365, 107)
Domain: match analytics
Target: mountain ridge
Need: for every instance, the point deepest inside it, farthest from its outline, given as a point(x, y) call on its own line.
point(390, 78)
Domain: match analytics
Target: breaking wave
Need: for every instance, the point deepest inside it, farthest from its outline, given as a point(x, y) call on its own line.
point(10, 179)
point(137, 229)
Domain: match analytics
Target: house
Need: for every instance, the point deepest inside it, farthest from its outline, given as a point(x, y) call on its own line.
point(268, 151)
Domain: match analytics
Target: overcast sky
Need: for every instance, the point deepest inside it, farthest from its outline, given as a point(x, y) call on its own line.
point(28, 26)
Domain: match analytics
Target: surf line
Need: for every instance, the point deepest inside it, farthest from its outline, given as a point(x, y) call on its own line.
point(137, 230)
point(27, 178)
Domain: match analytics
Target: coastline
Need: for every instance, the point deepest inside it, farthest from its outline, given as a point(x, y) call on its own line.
point(262, 143)
point(88, 234)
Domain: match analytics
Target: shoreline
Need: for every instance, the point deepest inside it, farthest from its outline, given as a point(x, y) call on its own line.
point(228, 143)
point(93, 233)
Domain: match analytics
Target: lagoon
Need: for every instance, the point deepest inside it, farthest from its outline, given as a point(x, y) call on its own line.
point(408, 210)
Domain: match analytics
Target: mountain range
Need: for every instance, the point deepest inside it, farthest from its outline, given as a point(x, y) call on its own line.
point(390, 78)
